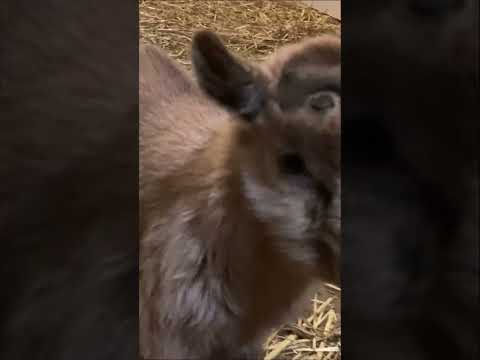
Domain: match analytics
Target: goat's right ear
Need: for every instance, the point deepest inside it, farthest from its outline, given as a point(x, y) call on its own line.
point(224, 78)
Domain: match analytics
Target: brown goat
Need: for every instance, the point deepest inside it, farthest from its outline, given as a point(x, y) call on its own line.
point(239, 194)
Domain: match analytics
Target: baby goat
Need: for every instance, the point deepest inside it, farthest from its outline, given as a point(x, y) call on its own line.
point(239, 194)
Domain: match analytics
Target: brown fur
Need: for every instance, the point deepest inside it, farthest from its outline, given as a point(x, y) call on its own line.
point(228, 243)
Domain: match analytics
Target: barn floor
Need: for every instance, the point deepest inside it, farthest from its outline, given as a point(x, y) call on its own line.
point(253, 29)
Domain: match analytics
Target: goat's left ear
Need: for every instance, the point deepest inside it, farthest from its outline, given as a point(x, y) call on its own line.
point(224, 78)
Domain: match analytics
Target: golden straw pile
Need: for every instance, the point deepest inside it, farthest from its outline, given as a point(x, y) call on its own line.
point(254, 29)
point(315, 336)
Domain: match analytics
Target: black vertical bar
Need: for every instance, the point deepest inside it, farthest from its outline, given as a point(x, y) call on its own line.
point(410, 179)
point(69, 179)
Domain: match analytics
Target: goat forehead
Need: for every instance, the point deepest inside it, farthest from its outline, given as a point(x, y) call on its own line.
point(322, 50)
point(319, 54)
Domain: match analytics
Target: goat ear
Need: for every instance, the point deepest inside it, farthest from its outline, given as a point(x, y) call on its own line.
point(224, 78)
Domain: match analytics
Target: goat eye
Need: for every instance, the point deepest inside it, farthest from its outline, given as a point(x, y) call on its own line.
point(293, 164)
point(321, 101)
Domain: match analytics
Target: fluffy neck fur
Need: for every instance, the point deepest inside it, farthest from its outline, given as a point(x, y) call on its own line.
point(206, 256)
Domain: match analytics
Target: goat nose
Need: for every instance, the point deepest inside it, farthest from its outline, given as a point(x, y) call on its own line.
point(434, 7)
point(322, 101)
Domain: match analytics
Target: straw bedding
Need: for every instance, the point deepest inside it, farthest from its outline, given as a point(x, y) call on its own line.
point(253, 29)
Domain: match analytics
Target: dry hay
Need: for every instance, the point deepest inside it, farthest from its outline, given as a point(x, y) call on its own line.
point(315, 336)
point(254, 29)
